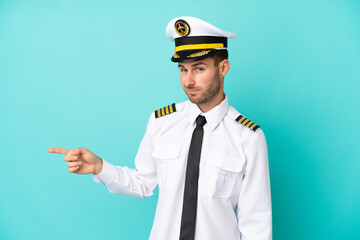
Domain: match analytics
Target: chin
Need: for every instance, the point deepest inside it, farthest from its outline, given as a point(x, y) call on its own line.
point(192, 99)
point(195, 100)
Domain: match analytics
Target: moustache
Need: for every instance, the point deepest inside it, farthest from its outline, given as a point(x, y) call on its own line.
point(192, 88)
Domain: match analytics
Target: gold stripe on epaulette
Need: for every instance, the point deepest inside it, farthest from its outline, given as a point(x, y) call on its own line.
point(171, 109)
point(249, 123)
point(165, 110)
point(246, 122)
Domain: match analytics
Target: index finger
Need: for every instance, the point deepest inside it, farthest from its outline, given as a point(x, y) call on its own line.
point(59, 150)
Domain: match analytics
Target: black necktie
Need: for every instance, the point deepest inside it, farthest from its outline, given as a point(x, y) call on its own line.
point(188, 218)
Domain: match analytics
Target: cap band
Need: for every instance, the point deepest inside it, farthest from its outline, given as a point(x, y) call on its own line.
point(199, 46)
point(199, 40)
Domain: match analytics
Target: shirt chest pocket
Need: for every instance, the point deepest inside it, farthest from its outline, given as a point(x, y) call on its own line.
point(220, 174)
point(167, 163)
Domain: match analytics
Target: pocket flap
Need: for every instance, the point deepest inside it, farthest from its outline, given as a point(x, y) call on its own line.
point(226, 162)
point(165, 152)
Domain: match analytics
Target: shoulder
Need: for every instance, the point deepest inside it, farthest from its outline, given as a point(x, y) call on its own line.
point(170, 110)
point(243, 122)
point(167, 117)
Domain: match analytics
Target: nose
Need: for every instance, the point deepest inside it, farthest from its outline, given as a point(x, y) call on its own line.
point(189, 79)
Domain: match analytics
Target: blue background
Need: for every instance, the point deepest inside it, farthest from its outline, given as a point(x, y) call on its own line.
point(89, 74)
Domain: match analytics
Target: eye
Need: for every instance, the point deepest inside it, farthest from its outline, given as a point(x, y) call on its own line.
point(200, 69)
point(183, 70)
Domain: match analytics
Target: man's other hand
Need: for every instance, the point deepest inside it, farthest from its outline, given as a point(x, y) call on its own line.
point(80, 160)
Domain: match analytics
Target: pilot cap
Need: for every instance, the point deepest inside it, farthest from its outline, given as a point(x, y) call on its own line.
point(195, 39)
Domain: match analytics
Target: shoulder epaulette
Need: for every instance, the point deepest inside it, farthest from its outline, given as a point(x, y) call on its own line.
point(165, 110)
point(246, 122)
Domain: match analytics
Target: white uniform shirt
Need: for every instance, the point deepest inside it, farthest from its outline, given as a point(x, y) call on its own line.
point(234, 200)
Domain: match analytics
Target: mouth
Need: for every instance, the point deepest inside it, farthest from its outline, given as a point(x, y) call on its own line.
point(193, 91)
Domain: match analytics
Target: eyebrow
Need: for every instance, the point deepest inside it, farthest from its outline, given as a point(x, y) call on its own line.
point(199, 63)
point(194, 65)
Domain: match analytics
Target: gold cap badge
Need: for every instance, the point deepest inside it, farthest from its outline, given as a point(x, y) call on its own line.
point(182, 28)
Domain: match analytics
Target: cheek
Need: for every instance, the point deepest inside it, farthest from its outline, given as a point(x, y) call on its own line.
point(205, 79)
point(183, 83)
point(182, 80)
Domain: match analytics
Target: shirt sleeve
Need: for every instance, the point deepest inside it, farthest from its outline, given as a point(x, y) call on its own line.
point(139, 182)
point(254, 204)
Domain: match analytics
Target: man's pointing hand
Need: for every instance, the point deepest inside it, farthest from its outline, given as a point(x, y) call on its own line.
point(80, 160)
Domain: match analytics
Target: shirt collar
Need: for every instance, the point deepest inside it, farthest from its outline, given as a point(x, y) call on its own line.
point(213, 117)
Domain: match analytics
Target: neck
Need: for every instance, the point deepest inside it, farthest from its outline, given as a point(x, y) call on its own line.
point(216, 100)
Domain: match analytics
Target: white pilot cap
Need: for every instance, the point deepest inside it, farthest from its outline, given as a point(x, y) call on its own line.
point(195, 39)
point(197, 27)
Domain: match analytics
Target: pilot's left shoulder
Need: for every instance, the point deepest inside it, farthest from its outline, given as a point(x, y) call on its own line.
point(243, 122)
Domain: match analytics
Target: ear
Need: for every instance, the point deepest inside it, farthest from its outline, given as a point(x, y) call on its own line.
point(224, 67)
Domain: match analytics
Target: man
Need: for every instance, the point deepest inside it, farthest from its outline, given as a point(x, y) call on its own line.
point(209, 161)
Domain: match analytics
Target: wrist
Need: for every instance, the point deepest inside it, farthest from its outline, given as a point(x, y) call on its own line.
point(98, 166)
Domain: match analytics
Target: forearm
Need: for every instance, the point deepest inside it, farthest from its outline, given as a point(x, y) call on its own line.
point(126, 181)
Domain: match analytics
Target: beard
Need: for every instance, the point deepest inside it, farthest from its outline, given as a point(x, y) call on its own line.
point(207, 93)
